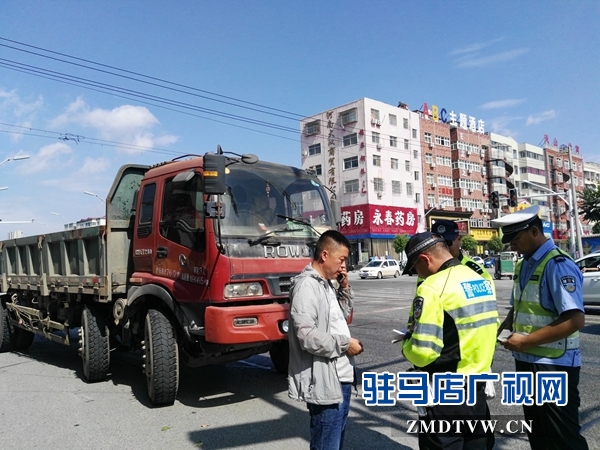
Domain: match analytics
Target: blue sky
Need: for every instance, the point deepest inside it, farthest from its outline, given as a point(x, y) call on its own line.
point(526, 68)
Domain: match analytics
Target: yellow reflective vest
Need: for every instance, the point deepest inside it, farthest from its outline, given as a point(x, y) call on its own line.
point(466, 261)
point(529, 315)
point(453, 322)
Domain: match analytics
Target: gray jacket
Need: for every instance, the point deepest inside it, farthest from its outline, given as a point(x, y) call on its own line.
point(312, 375)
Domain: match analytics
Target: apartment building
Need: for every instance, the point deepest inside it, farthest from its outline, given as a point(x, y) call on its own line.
point(369, 154)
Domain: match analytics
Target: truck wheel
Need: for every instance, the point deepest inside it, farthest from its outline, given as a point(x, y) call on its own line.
point(23, 339)
point(162, 359)
point(5, 331)
point(280, 356)
point(94, 345)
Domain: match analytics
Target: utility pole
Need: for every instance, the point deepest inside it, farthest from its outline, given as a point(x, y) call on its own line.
point(574, 212)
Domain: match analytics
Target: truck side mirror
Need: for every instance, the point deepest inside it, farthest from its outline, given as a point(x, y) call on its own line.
point(214, 174)
point(336, 209)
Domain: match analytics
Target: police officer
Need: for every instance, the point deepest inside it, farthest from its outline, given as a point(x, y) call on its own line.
point(452, 328)
point(546, 316)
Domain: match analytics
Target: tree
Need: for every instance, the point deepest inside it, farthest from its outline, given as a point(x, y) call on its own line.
point(589, 199)
point(495, 244)
point(400, 242)
point(469, 244)
point(596, 228)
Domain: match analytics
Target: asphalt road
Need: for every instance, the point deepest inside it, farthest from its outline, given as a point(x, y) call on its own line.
point(45, 404)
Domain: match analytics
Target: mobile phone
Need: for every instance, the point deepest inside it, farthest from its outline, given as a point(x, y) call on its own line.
point(340, 277)
point(503, 336)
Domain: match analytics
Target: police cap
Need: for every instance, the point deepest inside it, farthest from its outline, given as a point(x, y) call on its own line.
point(448, 229)
point(518, 221)
point(416, 245)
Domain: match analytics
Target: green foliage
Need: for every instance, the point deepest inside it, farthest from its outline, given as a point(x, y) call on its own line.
point(596, 228)
point(468, 243)
point(400, 241)
point(589, 204)
point(495, 245)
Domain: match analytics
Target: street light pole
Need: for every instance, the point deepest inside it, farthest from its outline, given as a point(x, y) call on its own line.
point(574, 212)
point(94, 195)
point(14, 158)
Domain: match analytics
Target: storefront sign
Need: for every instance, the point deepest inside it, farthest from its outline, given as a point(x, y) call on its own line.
point(465, 122)
point(377, 219)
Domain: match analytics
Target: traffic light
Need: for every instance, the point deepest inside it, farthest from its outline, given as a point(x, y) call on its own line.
point(512, 198)
point(494, 200)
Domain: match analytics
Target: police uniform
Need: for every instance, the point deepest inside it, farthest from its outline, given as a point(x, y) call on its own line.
point(452, 328)
point(547, 284)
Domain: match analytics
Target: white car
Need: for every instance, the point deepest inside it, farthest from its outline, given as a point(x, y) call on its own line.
point(590, 266)
point(380, 268)
point(478, 260)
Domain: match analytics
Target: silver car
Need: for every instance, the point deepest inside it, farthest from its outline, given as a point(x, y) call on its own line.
point(590, 266)
point(380, 268)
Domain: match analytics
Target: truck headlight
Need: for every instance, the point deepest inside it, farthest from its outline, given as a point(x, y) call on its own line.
point(242, 290)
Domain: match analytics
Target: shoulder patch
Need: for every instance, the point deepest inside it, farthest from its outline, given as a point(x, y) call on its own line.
point(474, 266)
point(568, 283)
point(417, 307)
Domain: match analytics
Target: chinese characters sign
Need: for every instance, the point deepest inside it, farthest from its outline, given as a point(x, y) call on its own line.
point(378, 219)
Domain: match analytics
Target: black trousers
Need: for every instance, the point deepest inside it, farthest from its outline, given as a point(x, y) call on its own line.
point(465, 440)
point(555, 427)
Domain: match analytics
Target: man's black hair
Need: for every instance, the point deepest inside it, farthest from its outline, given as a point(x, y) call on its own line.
point(327, 238)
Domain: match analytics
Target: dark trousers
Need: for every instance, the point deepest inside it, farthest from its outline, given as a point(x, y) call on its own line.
point(555, 427)
point(465, 440)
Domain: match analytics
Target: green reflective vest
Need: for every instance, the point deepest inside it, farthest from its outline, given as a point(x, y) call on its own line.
point(454, 320)
point(529, 315)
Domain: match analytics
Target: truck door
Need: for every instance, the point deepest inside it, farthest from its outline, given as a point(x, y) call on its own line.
point(181, 239)
point(143, 243)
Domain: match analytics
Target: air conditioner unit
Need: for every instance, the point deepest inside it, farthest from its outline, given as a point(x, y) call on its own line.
point(430, 145)
point(469, 171)
point(433, 185)
point(378, 146)
point(379, 194)
point(305, 153)
point(433, 165)
point(470, 191)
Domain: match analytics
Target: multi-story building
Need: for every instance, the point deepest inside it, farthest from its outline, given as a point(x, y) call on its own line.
point(591, 174)
point(369, 154)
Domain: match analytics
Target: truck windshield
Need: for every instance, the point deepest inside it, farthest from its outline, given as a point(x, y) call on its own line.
point(258, 194)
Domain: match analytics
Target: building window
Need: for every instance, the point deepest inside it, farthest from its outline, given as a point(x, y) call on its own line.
point(417, 176)
point(405, 124)
point(428, 158)
point(417, 197)
point(415, 154)
point(405, 144)
point(393, 120)
point(377, 160)
point(429, 178)
point(396, 187)
point(375, 137)
point(350, 186)
point(407, 165)
point(394, 164)
point(414, 133)
point(312, 128)
point(350, 139)
point(378, 184)
point(314, 149)
point(409, 189)
point(348, 116)
point(318, 169)
point(427, 137)
point(351, 163)
point(374, 114)
point(393, 141)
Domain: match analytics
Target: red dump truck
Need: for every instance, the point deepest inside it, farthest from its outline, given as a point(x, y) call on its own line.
point(194, 264)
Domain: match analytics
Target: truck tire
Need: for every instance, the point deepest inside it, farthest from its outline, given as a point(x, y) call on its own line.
point(94, 345)
point(5, 331)
point(22, 339)
point(280, 356)
point(162, 359)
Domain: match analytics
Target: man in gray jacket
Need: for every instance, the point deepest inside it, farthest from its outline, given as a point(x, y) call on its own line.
point(321, 367)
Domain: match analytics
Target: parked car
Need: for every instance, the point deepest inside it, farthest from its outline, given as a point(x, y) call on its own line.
point(478, 259)
point(488, 262)
point(590, 268)
point(380, 269)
